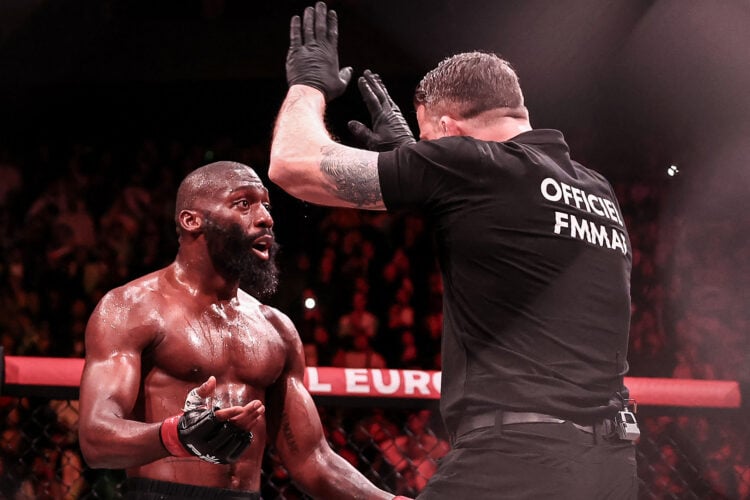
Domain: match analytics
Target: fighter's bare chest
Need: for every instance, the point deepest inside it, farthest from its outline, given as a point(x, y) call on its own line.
point(243, 345)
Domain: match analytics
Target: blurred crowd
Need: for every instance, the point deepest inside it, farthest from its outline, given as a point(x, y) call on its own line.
point(362, 288)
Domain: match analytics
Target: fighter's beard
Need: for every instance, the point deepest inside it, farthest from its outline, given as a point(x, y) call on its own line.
point(231, 252)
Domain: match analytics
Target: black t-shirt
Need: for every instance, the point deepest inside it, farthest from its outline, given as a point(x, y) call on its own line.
point(536, 266)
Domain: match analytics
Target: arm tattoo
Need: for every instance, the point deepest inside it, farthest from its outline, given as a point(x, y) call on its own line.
point(353, 173)
point(286, 429)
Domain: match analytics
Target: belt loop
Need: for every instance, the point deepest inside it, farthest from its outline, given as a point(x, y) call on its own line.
point(499, 422)
point(597, 429)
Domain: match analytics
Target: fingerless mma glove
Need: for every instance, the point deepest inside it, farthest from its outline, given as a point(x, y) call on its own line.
point(199, 433)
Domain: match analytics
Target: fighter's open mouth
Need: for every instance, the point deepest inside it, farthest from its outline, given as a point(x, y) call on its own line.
point(261, 246)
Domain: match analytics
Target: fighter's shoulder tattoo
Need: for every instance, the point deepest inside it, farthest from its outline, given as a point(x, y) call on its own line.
point(353, 174)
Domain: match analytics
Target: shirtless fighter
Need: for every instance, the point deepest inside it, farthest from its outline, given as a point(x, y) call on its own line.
point(188, 376)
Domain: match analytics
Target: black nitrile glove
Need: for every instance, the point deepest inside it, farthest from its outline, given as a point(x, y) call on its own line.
point(313, 57)
point(389, 128)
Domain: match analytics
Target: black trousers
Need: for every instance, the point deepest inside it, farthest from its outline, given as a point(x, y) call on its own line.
point(138, 488)
point(535, 461)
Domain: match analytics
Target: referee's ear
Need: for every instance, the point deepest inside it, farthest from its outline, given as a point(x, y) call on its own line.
point(449, 126)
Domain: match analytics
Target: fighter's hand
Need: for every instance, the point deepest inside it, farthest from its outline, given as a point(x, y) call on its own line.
point(244, 417)
point(313, 57)
point(389, 128)
point(197, 398)
point(201, 432)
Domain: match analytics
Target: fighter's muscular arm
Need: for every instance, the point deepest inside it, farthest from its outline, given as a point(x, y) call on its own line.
point(296, 430)
point(309, 165)
point(109, 387)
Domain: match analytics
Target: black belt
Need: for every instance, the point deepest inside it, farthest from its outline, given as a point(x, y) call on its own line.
point(471, 422)
point(144, 488)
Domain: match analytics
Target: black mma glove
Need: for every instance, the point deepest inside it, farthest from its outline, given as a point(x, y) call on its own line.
point(199, 433)
point(313, 57)
point(389, 128)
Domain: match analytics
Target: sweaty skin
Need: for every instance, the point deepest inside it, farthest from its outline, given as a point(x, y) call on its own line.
point(177, 342)
point(151, 341)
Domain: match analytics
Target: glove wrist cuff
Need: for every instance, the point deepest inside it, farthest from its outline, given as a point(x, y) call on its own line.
point(170, 438)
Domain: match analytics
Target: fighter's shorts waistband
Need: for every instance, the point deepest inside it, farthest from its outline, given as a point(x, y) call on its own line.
point(144, 488)
point(469, 423)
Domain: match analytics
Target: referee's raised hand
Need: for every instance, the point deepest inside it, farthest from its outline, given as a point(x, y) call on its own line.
point(313, 57)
